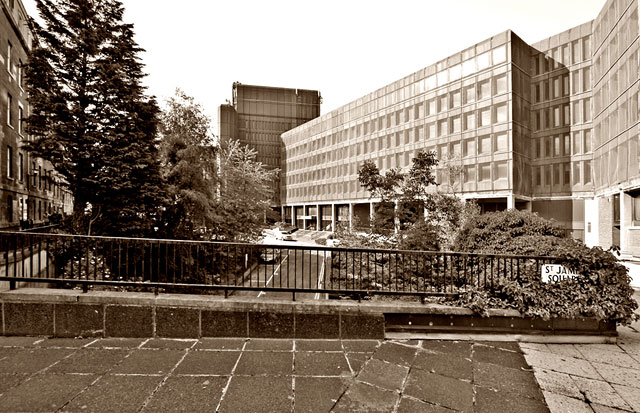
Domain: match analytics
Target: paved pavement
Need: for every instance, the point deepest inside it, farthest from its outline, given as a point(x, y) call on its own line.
point(590, 377)
point(122, 375)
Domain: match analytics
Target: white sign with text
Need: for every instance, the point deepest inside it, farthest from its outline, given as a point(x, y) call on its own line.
point(553, 273)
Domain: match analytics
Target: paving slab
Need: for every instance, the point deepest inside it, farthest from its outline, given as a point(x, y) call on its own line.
point(90, 361)
point(563, 404)
point(383, 374)
point(490, 401)
point(220, 344)
point(357, 360)
point(149, 362)
point(187, 394)
point(505, 379)
point(115, 394)
point(631, 395)
point(459, 348)
point(499, 357)
point(450, 365)
point(619, 375)
point(559, 383)
point(561, 364)
point(30, 360)
point(362, 397)
point(44, 393)
point(168, 343)
point(215, 363)
point(601, 392)
point(318, 345)
point(258, 394)
point(318, 394)
point(360, 346)
point(409, 405)
point(265, 363)
point(444, 391)
point(270, 345)
point(118, 342)
point(321, 364)
point(396, 353)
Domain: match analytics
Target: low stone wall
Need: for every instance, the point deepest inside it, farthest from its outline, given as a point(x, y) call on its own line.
point(71, 313)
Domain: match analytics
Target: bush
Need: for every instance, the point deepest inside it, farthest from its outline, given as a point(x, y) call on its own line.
point(603, 289)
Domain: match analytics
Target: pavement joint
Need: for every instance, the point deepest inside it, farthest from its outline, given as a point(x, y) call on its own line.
point(226, 387)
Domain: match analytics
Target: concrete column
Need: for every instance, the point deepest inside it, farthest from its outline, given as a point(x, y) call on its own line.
point(511, 202)
point(333, 217)
point(305, 212)
point(318, 218)
point(625, 221)
point(293, 216)
point(282, 213)
point(350, 215)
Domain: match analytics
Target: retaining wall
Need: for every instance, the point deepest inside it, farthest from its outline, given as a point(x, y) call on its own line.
point(71, 313)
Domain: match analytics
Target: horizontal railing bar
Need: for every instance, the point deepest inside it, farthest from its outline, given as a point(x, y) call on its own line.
point(222, 287)
point(291, 246)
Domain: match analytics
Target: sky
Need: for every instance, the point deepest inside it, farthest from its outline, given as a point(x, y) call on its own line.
point(343, 48)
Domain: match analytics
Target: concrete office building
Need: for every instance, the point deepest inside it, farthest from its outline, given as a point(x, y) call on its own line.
point(550, 127)
point(258, 115)
point(29, 187)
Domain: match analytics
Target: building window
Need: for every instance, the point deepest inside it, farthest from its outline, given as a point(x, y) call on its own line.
point(469, 94)
point(455, 124)
point(484, 145)
point(20, 167)
point(20, 118)
point(9, 52)
point(500, 84)
point(484, 172)
point(9, 161)
point(484, 117)
point(501, 113)
point(502, 144)
point(469, 174)
point(470, 147)
point(484, 89)
point(501, 170)
point(9, 104)
point(470, 121)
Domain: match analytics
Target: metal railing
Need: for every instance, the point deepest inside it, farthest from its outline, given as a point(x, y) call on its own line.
point(189, 266)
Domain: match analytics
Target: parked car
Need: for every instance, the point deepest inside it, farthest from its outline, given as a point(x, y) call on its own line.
point(285, 233)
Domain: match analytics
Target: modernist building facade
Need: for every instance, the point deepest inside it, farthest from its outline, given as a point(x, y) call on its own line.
point(258, 115)
point(551, 127)
point(30, 190)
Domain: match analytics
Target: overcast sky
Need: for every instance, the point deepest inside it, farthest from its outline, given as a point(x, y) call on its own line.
point(343, 48)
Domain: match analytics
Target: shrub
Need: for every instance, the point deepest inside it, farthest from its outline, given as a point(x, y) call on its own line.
point(602, 290)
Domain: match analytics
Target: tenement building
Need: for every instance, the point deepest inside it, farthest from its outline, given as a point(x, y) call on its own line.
point(29, 188)
point(258, 115)
point(551, 127)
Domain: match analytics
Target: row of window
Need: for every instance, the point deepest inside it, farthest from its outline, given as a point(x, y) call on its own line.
point(617, 120)
point(617, 43)
point(18, 123)
point(563, 115)
point(559, 174)
point(28, 210)
point(564, 55)
point(38, 178)
point(561, 145)
point(618, 81)
point(558, 86)
point(610, 17)
point(456, 124)
point(453, 99)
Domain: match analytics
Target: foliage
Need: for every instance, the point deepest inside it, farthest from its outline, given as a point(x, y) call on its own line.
point(602, 289)
point(421, 236)
point(90, 116)
point(189, 167)
point(507, 232)
point(245, 193)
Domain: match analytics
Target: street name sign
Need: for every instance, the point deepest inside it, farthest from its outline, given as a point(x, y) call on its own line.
point(553, 273)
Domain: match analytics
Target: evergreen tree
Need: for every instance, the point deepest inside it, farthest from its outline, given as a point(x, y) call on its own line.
point(90, 116)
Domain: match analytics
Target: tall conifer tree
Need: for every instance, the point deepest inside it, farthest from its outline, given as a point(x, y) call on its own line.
point(90, 116)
